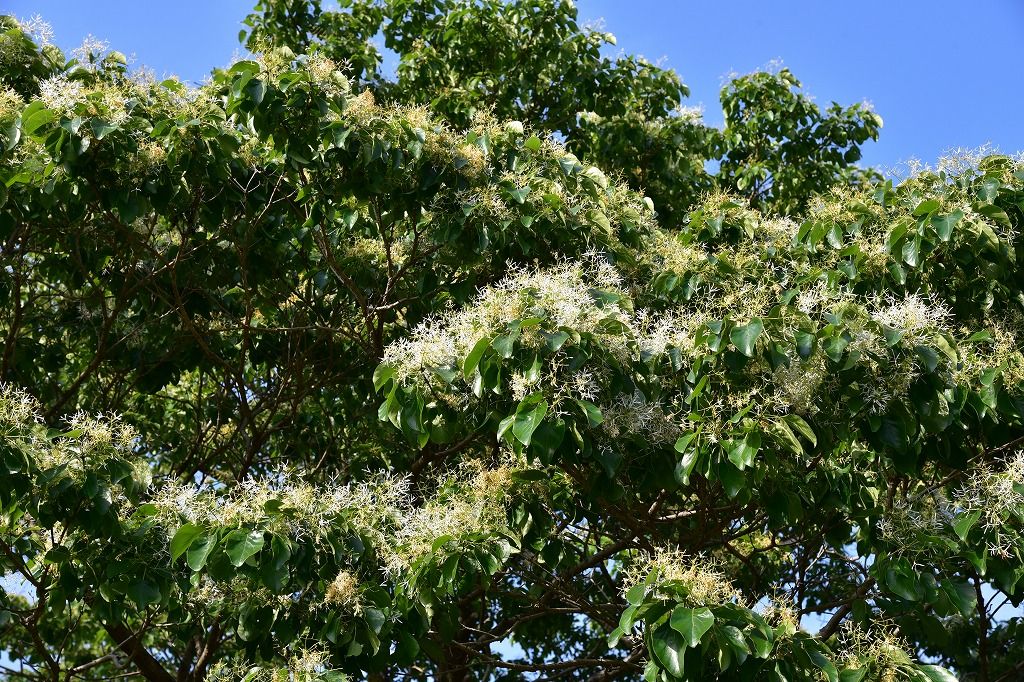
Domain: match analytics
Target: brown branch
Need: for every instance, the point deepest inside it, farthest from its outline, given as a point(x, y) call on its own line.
point(840, 615)
point(129, 643)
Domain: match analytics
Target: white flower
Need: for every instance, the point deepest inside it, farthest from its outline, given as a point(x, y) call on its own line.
point(60, 93)
point(915, 317)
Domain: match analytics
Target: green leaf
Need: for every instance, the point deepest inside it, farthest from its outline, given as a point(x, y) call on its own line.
point(902, 582)
point(472, 360)
point(257, 90)
point(912, 252)
point(183, 539)
point(532, 143)
point(381, 375)
point(199, 552)
point(944, 225)
point(374, 618)
point(101, 128)
point(689, 460)
point(555, 340)
point(935, 673)
point(528, 417)
point(529, 475)
point(547, 438)
point(745, 337)
point(242, 544)
point(143, 593)
point(787, 437)
point(805, 344)
point(965, 522)
point(505, 343)
point(735, 641)
point(962, 595)
point(668, 646)
point(823, 663)
point(801, 425)
point(741, 453)
point(593, 414)
point(692, 624)
point(35, 116)
point(763, 641)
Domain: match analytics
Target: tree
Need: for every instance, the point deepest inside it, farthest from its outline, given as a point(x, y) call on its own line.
point(307, 379)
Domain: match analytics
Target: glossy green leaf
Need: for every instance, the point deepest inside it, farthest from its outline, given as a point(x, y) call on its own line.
point(183, 539)
point(242, 544)
point(528, 417)
point(692, 624)
point(744, 337)
point(668, 648)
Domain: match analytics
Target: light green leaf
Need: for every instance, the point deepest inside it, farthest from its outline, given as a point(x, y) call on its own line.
point(381, 375)
point(965, 522)
point(472, 360)
point(944, 225)
point(593, 413)
point(801, 425)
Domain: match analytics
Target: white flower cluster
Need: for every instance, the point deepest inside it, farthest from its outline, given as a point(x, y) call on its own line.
point(313, 511)
point(655, 334)
point(38, 30)
point(90, 51)
point(916, 317)
point(798, 385)
point(998, 494)
point(563, 296)
point(10, 102)
point(324, 73)
point(303, 665)
point(343, 592)
point(467, 502)
point(61, 94)
point(18, 409)
point(696, 578)
point(963, 160)
point(907, 519)
point(995, 495)
point(690, 114)
point(879, 650)
point(634, 414)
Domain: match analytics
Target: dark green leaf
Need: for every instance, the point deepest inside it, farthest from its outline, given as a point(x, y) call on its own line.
point(669, 648)
point(745, 337)
point(692, 624)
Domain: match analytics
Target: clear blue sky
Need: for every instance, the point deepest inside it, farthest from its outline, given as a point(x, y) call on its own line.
point(942, 73)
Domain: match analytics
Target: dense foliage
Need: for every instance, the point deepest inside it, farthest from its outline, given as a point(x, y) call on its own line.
point(478, 373)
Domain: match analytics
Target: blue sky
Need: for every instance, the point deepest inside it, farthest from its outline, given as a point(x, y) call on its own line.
point(942, 73)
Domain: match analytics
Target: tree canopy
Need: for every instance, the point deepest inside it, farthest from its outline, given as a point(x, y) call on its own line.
point(506, 367)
